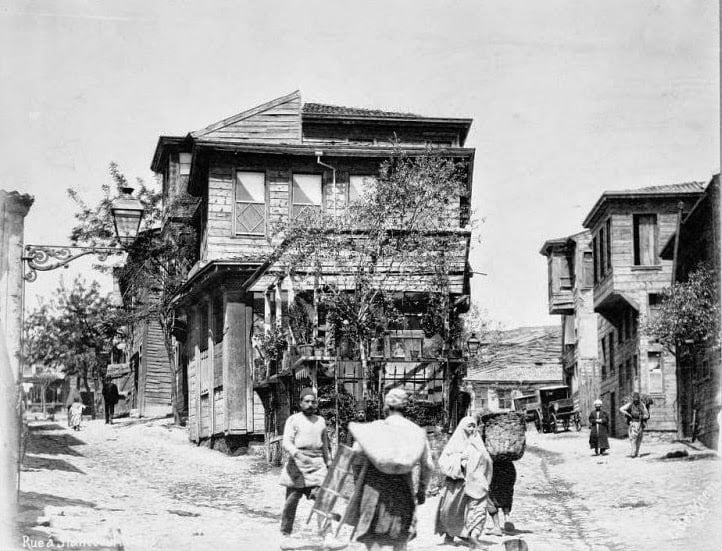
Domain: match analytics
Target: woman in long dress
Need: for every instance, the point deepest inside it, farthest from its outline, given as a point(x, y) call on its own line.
point(468, 469)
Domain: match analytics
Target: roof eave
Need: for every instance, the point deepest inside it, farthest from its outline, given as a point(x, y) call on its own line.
point(156, 164)
point(610, 195)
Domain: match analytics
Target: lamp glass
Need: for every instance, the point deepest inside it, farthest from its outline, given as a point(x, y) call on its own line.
point(127, 223)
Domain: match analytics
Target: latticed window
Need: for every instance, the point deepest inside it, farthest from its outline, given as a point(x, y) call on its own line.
point(250, 212)
point(307, 194)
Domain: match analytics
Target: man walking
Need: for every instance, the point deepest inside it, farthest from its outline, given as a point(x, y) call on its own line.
point(110, 397)
point(306, 441)
point(637, 415)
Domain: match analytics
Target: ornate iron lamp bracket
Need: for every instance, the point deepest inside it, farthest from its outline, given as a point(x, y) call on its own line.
point(48, 257)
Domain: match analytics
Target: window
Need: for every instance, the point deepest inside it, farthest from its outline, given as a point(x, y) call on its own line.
point(608, 252)
point(645, 240)
point(655, 304)
point(565, 278)
point(604, 358)
point(504, 397)
point(635, 366)
point(611, 351)
point(602, 254)
point(595, 259)
point(654, 364)
point(357, 186)
point(622, 329)
point(307, 194)
point(482, 398)
point(185, 164)
point(628, 369)
point(629, 317)
point(588, 269)
point(250, 215)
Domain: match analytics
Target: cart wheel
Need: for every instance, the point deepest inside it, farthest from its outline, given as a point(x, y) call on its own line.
point(553, 423)
point(577, 423)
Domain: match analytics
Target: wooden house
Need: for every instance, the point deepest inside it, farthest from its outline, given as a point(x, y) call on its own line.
point(698, 364)
point(247, 172)
point(629, 229)
point(514, 364)
point(571, 282)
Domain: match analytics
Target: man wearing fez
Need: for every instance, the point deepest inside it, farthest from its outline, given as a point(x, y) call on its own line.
point(309, 455)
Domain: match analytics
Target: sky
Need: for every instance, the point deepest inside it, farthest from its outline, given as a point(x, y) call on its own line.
point(569, 98)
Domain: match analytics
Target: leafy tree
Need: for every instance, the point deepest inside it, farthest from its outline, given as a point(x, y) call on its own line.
point(396, 237)
point(73, 332)
point(689, 312)
point(157, 262)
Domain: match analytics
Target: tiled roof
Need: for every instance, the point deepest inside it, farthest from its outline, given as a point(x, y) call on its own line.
point(323, 109)
point(687, 187)
point(525, 353)
point(538, 373)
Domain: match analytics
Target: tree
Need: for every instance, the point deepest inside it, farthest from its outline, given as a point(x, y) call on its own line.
point(73, 332)
point(689, 311)
point(395, 238)
point(157, 262)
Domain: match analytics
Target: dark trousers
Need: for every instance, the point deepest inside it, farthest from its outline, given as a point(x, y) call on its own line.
point(109, 410)
point(293, 495)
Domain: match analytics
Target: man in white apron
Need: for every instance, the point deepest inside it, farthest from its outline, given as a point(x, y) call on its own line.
point(306, 441)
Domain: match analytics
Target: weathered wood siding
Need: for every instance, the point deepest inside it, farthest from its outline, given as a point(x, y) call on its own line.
point(154, 378)
point(276, 122)
point(221, 240)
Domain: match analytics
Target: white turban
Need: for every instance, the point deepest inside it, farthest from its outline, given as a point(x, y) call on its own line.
point(597, 403)
point(396, 398)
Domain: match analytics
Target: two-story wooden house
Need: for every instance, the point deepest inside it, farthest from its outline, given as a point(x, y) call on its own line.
point(698, 363)
point(629, 229)
point(250, 171)
point(571, 281)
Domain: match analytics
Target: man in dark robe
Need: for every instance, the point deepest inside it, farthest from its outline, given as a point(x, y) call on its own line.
point(599, 425)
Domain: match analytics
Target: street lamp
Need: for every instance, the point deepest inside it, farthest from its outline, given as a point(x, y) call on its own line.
point(473, 344)
point(127, 214)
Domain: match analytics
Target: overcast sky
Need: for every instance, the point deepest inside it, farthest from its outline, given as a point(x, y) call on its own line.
point(568, 97)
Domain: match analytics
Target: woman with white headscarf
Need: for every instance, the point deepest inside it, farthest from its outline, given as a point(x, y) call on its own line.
point(599, 425)
point(468, 469)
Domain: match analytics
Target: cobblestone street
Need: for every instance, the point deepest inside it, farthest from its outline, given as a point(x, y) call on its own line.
point(141, 485)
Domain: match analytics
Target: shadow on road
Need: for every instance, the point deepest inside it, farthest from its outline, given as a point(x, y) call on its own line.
point(44, 427)
point(54, 444)
point(35, 463)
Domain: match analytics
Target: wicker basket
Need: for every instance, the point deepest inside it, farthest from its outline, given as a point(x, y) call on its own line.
point(505, 435)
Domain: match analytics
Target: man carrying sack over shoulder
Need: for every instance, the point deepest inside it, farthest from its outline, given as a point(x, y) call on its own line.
point(637, 414)
point(306, 441)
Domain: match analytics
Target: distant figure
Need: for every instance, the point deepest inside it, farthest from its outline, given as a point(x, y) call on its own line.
point(110, 397)
point(73, 394)
point(306, 441)
point(599, 427)
point(467, 467)
point(637, 415)
point(76, 413)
